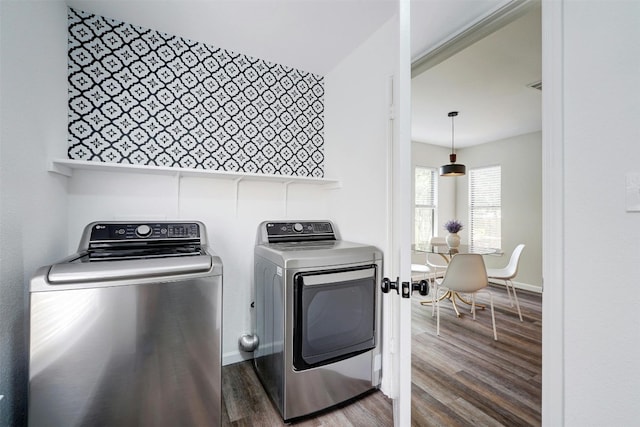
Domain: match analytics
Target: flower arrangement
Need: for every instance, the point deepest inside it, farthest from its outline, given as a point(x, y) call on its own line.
point(453, 226)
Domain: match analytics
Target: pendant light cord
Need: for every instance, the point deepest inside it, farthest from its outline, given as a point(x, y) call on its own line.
point(452, 133)
point(452, 114)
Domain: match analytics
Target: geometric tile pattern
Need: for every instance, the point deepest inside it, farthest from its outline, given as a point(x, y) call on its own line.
point(139, 96)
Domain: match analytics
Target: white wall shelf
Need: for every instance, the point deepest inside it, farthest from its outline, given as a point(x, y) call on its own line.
point(66, 167)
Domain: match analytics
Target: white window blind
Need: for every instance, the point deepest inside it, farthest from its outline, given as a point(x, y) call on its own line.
point(424, 204)
point(485, 207)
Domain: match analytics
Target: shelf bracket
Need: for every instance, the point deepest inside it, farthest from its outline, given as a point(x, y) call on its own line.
point(286, 197)
point(178, 178)
point(236, 192)
point(60, 169)
point(333, 186)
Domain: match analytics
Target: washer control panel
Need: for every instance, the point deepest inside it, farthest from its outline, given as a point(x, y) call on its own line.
point(299, 231)
point(144, 231)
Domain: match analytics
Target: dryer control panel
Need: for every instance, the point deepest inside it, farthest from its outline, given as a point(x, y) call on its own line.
point(298, 231)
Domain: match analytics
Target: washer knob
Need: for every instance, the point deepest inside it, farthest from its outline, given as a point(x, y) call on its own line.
point(297, 227)
point(143, 230)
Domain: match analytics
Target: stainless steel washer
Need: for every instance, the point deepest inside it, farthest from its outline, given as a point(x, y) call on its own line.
point(127, 331)
point(317, 316)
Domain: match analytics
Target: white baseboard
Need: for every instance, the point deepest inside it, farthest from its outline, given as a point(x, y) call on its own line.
point(236, 356)
point(521, 285)
point(528, 287)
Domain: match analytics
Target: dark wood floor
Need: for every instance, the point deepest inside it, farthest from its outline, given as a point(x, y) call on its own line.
point(244, 403)
point(465, 378)
point(462, 378)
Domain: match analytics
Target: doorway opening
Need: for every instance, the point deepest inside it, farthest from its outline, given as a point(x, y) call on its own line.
point(492, 75)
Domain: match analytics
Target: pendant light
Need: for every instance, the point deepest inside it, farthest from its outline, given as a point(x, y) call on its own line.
point(453, 168)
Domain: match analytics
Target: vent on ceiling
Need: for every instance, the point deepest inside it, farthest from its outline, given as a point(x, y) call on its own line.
point(536, 85)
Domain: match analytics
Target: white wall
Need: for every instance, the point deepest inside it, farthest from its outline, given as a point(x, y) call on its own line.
point(357, 135)
point(32, 201)
point(601, 239)
point(520, 158)
point(521, 161)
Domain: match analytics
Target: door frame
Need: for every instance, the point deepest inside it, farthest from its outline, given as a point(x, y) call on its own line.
point(399, 195)
point(552, 191)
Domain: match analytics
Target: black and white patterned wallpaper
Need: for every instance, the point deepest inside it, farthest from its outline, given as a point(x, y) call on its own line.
point(143, 97)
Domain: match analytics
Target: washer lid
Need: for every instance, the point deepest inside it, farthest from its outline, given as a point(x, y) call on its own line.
point(87, 272)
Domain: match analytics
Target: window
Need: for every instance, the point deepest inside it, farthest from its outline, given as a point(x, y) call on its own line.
point(424, 204)
point(485, 207)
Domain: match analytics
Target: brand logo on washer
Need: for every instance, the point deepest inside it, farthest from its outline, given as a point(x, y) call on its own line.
point(100, 227)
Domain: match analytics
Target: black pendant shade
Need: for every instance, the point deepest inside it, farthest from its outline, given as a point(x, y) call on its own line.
point(453, 168)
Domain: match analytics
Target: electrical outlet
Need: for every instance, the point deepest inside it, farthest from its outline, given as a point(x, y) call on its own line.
point(633, 191)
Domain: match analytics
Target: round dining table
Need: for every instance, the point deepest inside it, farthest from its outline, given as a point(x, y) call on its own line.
point(447, 253)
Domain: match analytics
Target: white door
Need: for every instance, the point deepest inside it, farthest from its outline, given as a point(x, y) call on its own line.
point(398, 309)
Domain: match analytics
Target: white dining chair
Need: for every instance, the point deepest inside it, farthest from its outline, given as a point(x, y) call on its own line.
point(421, 270)
point(507, 273)
point(437, 265)
point(425, 273)
point(466, 273)
point(436, 262)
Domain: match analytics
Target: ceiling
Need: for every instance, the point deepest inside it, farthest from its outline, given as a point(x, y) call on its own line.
point(310, 35)
point(487, 84)
point(435, 21)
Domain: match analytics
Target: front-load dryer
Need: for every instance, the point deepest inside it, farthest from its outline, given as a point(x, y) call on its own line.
point(317, 316)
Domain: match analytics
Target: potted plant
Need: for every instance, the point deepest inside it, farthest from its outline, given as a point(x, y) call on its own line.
point(453, 227)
